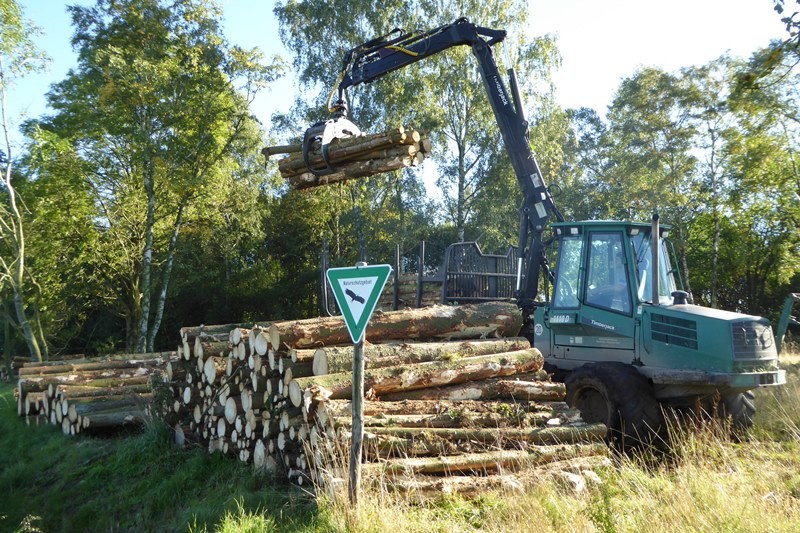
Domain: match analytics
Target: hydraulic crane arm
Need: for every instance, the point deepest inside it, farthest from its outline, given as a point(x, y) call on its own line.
point(380, 56)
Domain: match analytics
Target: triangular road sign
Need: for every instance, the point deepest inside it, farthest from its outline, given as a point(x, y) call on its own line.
point(357, 290)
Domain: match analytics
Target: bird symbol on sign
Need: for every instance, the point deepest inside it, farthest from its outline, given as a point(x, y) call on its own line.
point(354, 297)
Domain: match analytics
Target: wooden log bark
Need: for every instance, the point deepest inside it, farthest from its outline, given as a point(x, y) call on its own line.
point(335, 359)
point(82, 360)
point(355, 169)
point(99, 365)
point(502, 416)
point(507, 460)
point(492, 319)
point(343, 149)
point(434, 487)
point(205, 348)
point(489, 389)
point(379, 149)
point(503, 437)
point(105, 420)
point(215, 332)
point(83, 391)
point(39, 384)
point(86, 407)
point(341, 408)
point(424, 375)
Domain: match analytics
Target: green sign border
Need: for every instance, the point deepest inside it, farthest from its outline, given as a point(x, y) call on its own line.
point(334, 275)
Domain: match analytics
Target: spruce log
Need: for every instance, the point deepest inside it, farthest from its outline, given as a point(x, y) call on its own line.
point(106, 420)
point(491, 319)
point(503, 437)
point(355, 169)
point(40, 384)
point(345, 149)
point(475, 486)
point(205, 348)
point(383, 154)
point(217, 332)
point(507, 460)
point(421, 376)
point(86, 392)
point(335, 359)
point(341, 408)
point(213, 369)
point(504, 416)
point(489, 389)
point(112, 357)
point(93, 405)
point(92, 366)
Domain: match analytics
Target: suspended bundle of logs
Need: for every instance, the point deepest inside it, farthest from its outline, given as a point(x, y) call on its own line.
point(90, 394)
point(353, 157)
point(447, 392)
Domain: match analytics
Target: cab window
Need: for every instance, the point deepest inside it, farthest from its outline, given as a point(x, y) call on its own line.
point(565, 290)
point(607, 274)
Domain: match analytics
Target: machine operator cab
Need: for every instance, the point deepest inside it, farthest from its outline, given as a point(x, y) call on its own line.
point(603, 277)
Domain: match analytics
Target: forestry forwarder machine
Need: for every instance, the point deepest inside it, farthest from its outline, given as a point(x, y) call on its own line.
point(617, 329)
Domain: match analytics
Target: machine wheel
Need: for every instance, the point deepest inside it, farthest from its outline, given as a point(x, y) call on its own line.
point(618, 396)
point(741, 408)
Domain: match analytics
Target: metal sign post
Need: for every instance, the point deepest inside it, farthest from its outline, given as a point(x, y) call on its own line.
point(357, 434)
point(357, 291)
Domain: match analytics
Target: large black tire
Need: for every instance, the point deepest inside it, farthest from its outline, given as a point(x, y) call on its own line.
point(741, 408)
point(618, 396)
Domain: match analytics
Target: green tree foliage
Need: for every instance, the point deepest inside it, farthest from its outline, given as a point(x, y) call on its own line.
point(719, 164)
point(157, 111)
point(780, 58)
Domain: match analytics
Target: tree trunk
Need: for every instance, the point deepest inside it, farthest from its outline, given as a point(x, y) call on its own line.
point(75, 368)
point(355, 169)
point(502, 437)
point(348, 150)
point(508, 418)
point(457, 409)
point(145, 277)
point(165, 277)
point(335, 359)
point(442, 322)
point(508, 460)
point(381, 381)
point(490, 389)
point(14, 271)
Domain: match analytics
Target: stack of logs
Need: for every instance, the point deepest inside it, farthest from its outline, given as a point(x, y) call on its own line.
point(279, 396)
point(354, 157)
point(94, 395)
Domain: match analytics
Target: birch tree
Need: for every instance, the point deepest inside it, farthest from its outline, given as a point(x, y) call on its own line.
point(158, 108)
point(18, 56)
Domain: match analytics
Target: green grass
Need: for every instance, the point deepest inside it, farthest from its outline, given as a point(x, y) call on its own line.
point(141, 483)
point(135, 483)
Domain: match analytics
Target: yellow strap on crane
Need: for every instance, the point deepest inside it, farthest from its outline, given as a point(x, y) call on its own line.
point(335, 86)
point(404, 50)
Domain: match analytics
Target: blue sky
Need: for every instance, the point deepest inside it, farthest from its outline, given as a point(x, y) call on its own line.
point(601, 42)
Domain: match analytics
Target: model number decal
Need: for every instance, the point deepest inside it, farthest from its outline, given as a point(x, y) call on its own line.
point(561, 319)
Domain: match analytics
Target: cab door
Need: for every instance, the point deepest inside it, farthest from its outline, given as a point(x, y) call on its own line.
point(594, 320)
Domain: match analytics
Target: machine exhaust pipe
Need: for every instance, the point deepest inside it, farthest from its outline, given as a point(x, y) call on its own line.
point(655, 249)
